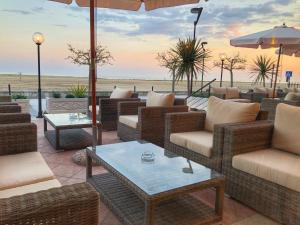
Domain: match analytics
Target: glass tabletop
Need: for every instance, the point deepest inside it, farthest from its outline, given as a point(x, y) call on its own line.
point(65, 119)
point(153, 169)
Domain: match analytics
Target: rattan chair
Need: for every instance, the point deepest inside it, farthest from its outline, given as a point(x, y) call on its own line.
point(75, 204)
point(270, 199)
point(195, 121)
point(10, 109)
point(5, 98)
point(150, 123)
point(107, 110)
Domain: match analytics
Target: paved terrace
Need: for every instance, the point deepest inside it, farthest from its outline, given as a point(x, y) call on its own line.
point(69, 173)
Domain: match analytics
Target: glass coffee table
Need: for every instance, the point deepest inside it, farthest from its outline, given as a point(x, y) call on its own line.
point(68, 133)
point(147, 185)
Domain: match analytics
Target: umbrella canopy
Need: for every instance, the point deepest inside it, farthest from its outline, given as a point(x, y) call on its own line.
point(289, 51)
point(132, 5)
point(278, 37)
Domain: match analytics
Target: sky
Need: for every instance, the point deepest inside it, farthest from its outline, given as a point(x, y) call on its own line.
point(135, 38)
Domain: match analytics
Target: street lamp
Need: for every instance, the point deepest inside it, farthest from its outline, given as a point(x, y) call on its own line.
point(38, 39)
point(203, 63)
point(222, 57)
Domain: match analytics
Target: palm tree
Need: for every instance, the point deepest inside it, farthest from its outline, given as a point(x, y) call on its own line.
point(190, 56)
point(261, 69)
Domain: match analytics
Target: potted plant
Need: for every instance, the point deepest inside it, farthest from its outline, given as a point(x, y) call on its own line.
point(75, 101)
point(22, 101)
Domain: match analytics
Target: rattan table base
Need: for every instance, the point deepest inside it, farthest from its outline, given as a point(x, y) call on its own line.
point(130, 209)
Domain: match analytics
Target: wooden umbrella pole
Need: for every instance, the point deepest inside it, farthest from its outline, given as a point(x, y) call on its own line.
point(93, 70)
point(277, 70)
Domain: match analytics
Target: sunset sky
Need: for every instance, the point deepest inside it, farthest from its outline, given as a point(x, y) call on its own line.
point(135, 38)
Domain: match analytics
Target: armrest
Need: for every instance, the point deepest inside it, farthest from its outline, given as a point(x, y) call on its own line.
point(248, 137)
point(248, 95)
point(10, 108)
point(184, 122)
point(258, 97)
point(109, 104)
point(6, 118)
point(129, 108)
point(8, 103)
point(18, 138)
point(74, 204)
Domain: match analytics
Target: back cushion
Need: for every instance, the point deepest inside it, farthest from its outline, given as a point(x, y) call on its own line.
point(157, 99)
point(221, 111)
point(232, 93)
point(287, 128)
point(218, 90)
point(292, 96)
point(121, 93)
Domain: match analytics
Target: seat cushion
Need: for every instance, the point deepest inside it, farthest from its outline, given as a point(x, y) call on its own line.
point(222, 111)
point(287, 128)
point(23, 169)
point(97, 108)
point(277, 166)
point(197, 141)
point(30, 188)
point(121, 93)
point(157, 99)
point(129, 120)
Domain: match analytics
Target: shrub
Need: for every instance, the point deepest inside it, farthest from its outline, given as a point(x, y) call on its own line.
point(70, 96)
point(56, 94)
point(79, 91)
point(19, 96)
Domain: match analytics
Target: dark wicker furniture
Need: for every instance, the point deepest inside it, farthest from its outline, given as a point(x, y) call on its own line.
point(5, 98)
point(76, 204)
point(194, 121)
point(68, 133)
point(270, 199)
point(10, 109)
point(151, 121)
point(269, 105)
point(6, 118)
point(108, 110)
point(148, 193)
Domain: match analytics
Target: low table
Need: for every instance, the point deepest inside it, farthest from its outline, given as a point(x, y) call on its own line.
point(143, 191)
point(68, 133)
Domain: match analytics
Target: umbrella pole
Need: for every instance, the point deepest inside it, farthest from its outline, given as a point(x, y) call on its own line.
point(277, 70)
point(93, 70)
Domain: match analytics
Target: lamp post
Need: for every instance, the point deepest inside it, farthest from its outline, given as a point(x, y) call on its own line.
point(222, 57)
point(197, 11)
point(203, 63)
point(38, 39)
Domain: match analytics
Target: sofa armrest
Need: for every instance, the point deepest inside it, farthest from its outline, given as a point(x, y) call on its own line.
point(130, 108)
point(184, 122)
point(10, 109)
point(6, 118)
point(108, 105)
point(75, 204)
point(247, 137)
point(18, 138)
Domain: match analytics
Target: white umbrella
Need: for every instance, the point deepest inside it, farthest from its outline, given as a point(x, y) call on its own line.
point(278, 37)
point(114, 4)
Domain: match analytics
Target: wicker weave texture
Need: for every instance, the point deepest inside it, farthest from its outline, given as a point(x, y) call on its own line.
point(6, 118)
point(10, 109)
point(5, 98)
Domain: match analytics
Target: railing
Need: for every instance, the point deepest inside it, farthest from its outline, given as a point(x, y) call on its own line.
point(202, 88)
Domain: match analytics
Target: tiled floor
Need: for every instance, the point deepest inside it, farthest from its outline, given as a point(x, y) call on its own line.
point(69, 173)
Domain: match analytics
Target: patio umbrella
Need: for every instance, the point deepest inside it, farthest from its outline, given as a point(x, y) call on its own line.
point(289, 52)
point(132, 5)
point(278, 37)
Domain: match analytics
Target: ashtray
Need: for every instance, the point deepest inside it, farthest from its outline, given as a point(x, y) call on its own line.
point(148, 157)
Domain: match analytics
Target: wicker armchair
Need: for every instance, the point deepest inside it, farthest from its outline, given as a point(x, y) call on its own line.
point(75, 204)
point(150, 121)
point(10, 109)
point(269, 105)
point(5, 98)
point(191, 122)
point(7, 118)
point(107, 110)
point(271, 199)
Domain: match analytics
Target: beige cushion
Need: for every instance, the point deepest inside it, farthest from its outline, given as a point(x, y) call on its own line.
point(30, 188)
point(121, 93)
point(97, 108)
point(23, 169)
point(218, 90)
point(242, 100)
point(232, 93)
point(129, 120)
point(292, 96)
point(288, 90)
point(221, 111)
point(277, 166)
point(157, 99)
point(197, 141)
point(287, 128)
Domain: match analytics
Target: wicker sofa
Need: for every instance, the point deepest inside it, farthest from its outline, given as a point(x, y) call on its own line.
point(107, 110)
point(186, 135)
point(231, 93)
point(34, 196)
point(140, 122)
point(261, 175)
